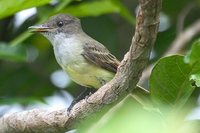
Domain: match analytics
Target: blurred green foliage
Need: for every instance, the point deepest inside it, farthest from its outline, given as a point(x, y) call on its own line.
point(131, 117)
point(27, 61)
point(12, 53)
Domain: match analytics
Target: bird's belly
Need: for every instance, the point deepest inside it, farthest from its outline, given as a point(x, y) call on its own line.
point(88, 75)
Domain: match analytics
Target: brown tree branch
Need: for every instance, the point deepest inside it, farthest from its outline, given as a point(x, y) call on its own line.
point(125, 80)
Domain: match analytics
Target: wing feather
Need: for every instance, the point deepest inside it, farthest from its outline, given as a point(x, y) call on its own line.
point(96, 53)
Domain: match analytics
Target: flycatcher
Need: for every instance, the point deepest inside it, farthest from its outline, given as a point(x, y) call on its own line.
point(85, 60)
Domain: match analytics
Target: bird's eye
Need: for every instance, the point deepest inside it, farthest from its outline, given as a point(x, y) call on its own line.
point(60, 23)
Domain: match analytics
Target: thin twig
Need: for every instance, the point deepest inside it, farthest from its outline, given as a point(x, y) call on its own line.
point(182, 15)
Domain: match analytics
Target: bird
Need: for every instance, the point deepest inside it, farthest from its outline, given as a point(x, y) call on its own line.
point(86, 61)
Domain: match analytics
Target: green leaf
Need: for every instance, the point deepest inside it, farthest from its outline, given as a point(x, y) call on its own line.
point(193, 55)
point(12, 53)
point(94, 8)
point(193, 58)
point(169, 82)
point(9, 7)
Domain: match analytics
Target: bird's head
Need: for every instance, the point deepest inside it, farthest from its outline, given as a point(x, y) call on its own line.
point(58, 24)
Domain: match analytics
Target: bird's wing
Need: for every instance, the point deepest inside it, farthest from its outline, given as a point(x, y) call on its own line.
point(96, 53)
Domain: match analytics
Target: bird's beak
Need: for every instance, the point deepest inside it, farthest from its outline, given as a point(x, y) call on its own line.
point(40, 28)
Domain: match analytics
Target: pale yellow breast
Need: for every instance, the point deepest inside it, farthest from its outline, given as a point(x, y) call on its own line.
point(88, 75)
